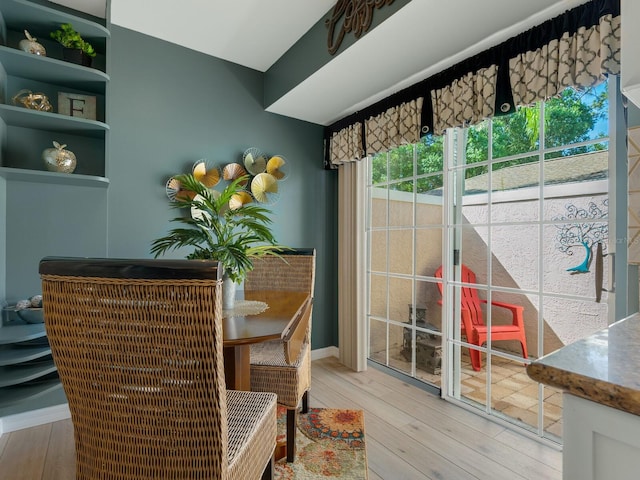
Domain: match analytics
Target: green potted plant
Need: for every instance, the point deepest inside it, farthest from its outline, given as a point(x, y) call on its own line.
point(75, 48)
point(232, 236)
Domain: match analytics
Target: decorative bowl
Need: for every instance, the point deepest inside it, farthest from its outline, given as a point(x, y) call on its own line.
point(31, 315)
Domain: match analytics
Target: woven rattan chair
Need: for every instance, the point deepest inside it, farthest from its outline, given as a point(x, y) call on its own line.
point(284, 367)
point(138, 347)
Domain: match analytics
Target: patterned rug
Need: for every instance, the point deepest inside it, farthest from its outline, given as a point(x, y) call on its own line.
point(329, 444)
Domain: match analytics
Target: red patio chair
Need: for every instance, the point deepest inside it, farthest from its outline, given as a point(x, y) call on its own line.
point(473, 326)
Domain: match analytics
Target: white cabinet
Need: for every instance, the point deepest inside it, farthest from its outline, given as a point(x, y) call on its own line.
point(600, 442)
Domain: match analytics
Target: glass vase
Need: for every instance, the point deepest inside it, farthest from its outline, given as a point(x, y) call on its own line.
point(228, 293)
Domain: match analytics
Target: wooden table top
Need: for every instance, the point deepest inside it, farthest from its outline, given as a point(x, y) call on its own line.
point(283, 307)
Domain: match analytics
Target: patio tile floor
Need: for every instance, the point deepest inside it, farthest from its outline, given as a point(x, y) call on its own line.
point(513, 393)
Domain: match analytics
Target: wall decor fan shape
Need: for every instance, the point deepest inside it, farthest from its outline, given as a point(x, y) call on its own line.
point(264, 188)
point(260, 176)
point(206, 173)
point(278, 167)
point(233, 171)
point(239, 199)
point(254, 161)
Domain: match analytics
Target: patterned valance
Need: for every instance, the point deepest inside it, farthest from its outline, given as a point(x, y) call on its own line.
point(397, 126)
point(346, 145)
point(576, 49)
point(578, 60)
point(466, 101)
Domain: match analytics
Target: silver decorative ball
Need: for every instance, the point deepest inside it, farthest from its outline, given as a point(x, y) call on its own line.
point(36, 301)
point(22, 304)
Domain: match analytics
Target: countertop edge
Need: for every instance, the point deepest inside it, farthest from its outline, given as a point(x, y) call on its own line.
point(598, 391)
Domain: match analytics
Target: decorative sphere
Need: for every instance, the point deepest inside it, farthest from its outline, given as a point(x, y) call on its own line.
point(36, 301)
point(22, 304)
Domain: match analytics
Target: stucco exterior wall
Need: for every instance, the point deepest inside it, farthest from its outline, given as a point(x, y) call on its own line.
point(515, 263)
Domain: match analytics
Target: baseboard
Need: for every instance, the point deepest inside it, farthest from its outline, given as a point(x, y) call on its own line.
point(33, 418)
point(319, 353)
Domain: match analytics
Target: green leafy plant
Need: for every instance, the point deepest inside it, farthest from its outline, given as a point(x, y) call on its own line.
point(232, 236)
point(69, 38)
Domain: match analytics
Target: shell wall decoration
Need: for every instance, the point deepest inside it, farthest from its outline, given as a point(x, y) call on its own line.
point(264, 172)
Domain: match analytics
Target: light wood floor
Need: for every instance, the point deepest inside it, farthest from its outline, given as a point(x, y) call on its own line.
point(410, 434)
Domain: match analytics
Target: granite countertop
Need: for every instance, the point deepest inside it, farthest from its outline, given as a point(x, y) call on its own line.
point(603, 368)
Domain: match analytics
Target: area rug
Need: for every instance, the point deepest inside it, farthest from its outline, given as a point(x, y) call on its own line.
point(329, 444)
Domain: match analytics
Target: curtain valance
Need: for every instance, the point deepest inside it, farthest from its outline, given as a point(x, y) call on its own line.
point(397, 126)
point(576, 49)
point(581, 60)
point(346, 145)
point(466, 101)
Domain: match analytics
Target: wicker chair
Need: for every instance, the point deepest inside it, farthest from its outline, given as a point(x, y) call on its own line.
point(284, 367)
point(138, 347)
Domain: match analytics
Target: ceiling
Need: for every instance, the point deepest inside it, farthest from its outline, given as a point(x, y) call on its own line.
point(421, 39)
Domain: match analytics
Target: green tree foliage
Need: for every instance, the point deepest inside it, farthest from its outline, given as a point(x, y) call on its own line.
point(429, 160)
point(569, 118)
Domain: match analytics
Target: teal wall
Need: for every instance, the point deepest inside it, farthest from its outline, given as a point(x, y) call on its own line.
point(170, 106)
point(49, 219)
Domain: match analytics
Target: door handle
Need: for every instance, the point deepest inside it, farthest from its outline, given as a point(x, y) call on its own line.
point(600, 272)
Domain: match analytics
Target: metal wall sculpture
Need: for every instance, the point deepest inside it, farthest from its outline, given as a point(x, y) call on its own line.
point(585, 234)
point(351, 16)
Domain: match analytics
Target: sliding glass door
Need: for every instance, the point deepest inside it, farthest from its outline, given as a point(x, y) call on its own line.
point(405, 234)
point(529, 230)
point(488, 248)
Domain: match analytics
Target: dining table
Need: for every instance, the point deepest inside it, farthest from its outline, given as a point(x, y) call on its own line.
point(258, 316)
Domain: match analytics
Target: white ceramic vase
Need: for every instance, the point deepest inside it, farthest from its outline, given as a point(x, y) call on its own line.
point(228, 293)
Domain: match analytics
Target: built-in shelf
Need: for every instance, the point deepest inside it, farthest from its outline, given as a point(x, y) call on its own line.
point(41, 176)
point(16, 397)
point(21, 333)
point(47, 19)
point(17, 374)
point(28, 376)
point(54, 122)
point(13, 355)
point(31, 131)
point(51, 70)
